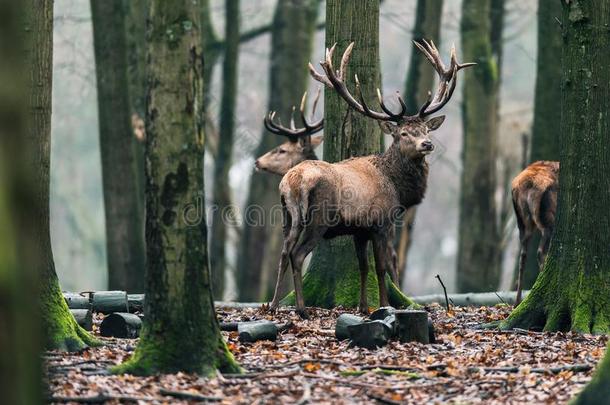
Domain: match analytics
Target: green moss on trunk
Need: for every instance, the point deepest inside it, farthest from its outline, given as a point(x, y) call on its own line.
point(598, 389)
point(573, 291)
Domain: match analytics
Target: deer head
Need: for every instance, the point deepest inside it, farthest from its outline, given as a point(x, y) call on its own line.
point(300, 145)
point(411, 133)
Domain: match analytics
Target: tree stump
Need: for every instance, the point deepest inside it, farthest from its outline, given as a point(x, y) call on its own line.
point(256, 330)
point(136, 302)
point(371, 334)
point(108, 302)
point(76, 301)
point(412, 326)
point(121, 325)
point(382, 313)
point(84, 317)
point(343, 322)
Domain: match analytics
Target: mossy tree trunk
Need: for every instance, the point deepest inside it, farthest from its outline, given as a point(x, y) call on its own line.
point(180, 332)
point(572, 292)
point(124, 216)
point(20, 371)
point(547, 108)
point(292, 33)
point(597, 390)
point(333, 277)
point(59, 327)
point(420, 80)
point(478, 264)
point(222, 164)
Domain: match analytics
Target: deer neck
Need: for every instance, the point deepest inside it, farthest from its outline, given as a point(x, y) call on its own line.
point(408, 176)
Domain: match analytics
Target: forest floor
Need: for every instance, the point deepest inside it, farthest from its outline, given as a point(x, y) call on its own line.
point(308, 365)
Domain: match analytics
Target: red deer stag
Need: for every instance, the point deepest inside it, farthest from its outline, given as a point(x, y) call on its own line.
point(362, 196)
point(534, 192)
point(300, 145)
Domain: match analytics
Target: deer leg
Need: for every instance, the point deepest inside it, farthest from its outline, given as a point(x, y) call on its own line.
point(524, 239)
point(361, 243)
point(309, 239)
point(291, 235)
point(543, 247)
point(383, 259)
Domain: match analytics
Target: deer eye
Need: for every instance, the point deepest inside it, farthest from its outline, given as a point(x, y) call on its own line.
point(403, 133)
point(281, 150)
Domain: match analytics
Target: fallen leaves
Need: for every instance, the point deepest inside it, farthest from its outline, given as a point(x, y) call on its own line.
point(307, 364)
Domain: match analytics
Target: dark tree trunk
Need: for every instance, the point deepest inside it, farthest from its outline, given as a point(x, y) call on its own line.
point(180, 331)
point(260, 245)
point(333, 277)
point(572, 292)
point(222, 164)
point(547, 108)
point(124, 229)
point(478, 265)
point(59, 327)
point(20, 372)
point(420, 80)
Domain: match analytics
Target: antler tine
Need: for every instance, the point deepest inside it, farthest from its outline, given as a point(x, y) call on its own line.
point(344, 60)
point(315, 101)
point(316, 126)
point(318, 77)
point(292, 124)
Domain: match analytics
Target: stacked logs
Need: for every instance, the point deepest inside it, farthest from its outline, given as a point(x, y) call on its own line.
point(383, 325)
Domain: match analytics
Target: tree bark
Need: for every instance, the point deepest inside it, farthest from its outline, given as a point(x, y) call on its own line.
point(20, 334)
point(420, 80)
point(222, 208)
point(178, 283)
point(572, 292)
point(60, 330)
point(597, 390)
point(291, 43)
point(478, 264)
point(124, 227)
point(333, 277)
point(547, 108)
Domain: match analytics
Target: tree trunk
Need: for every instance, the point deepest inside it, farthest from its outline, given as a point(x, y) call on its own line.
point(135, 29)
point(20, 372)
point(291, 43)
point(478, 267)
point(597, 390)
point(572, 292)
point(59, 327)
point(547, 108)
point(420, 80)
point(124, 229)
point(222, 164)
point(333, 277)
point(180, 331)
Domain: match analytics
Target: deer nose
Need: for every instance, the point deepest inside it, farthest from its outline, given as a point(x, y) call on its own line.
point(427, 145)
point(257, 164)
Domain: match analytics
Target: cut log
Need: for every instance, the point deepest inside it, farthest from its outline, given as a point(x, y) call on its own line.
point(256, 330)
point(84, 317)
point(121, 325)
point(108, 302)
point(431, 332)
point(412, 326)
point(391, 322)
point(382, 313)
point(370, 334)
point(77, 301)
point(228, 326)
point(343, 321)
point(136, 302)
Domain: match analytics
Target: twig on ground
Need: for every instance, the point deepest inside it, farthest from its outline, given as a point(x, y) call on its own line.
point(306, 397)
point(445, 291)
point(500, 298)
point(552, 370)
point(99, 399)
point(382, 399)
point(304, 361)
point(188, 395)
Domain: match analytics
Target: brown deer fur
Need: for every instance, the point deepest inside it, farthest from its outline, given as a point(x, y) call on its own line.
point(534, 193)
point(361, 196)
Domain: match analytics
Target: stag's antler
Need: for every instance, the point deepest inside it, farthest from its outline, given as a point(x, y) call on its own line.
point(447, 77)
point(294, 133)
point(336, 80)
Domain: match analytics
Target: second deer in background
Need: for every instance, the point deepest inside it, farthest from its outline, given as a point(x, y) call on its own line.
point(534, 193)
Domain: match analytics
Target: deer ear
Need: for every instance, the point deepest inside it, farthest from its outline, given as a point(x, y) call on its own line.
point(435, 123)
point(316, 140)
point(386, 127)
